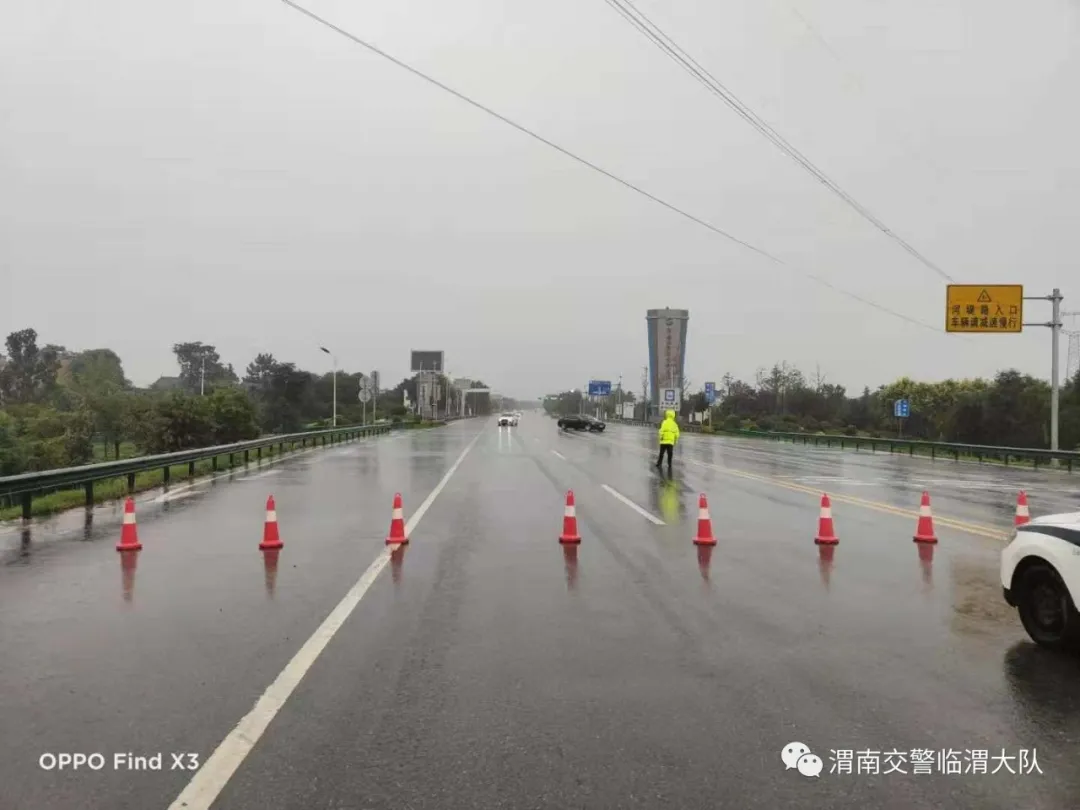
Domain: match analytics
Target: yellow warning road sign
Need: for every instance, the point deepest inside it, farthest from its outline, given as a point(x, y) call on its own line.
point(984, 308)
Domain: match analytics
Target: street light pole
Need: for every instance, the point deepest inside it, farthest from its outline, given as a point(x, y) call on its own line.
point(202, 378)
point(333, 359)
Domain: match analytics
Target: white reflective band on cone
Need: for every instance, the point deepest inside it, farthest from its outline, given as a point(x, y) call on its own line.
point(924, 511)
point(1022, 511)
point(397, 515)
point(570, 512)
point(702, 514)
point(129, 517)
point(826, 512)
point(271, 516)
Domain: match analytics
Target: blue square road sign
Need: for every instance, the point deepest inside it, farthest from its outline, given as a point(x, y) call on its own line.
point(599, 388)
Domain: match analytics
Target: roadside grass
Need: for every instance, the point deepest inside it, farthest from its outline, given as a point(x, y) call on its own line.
point(103, 452)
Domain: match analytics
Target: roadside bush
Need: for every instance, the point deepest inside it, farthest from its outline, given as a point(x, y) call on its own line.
point(233, 415)
point(11, 457)
point(35, 437)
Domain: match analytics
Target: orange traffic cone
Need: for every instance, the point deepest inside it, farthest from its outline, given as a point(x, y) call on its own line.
point(397, 523)
point(924, 531)
point(569, 523)
point(1022, 513)
point(826, 534)
point(271, 539)
point(129, 535)
point(704, 523)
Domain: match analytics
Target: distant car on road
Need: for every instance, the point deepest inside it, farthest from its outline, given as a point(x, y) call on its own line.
point(507, 420)
point(581, 421)
point(1040, 575)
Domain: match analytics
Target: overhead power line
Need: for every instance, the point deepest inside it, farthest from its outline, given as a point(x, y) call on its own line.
point(611, 176)
point(656, 35)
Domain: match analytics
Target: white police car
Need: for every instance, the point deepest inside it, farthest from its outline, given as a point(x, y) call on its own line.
point(1040, 573)
point(507, 420)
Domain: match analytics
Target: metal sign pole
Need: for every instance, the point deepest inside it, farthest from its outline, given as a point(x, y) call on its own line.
point(1055, 324)
point(1055, 391)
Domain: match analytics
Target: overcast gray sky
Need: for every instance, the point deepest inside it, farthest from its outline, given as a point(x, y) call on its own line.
point(230, 171)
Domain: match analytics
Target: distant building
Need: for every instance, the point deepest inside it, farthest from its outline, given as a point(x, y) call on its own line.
point(165, 384)
point(667, 350)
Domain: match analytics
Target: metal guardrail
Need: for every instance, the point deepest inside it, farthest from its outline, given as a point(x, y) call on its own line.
point(982, 452)
point(26, 485)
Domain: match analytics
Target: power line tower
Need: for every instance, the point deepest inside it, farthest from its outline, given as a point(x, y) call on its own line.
point(1072, 363)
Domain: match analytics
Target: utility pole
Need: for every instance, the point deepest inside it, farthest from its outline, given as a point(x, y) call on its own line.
point(202, 378)
point(645, 393)
point(1055, 299)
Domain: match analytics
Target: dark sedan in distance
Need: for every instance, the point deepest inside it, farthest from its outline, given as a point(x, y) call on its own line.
point(580, 421)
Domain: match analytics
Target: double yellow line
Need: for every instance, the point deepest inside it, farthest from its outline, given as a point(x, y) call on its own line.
point(960, 525)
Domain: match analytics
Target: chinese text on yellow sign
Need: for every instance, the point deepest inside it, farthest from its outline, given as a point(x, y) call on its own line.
point(981, 308)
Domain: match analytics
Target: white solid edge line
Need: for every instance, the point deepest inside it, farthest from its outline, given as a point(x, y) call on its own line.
point(206, 785)
point(245, 475)
point(643, 512)
point(560, 455)
point(259, 476)
point(179, 496)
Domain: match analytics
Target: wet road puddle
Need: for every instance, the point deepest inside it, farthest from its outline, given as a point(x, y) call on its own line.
point(977, 603)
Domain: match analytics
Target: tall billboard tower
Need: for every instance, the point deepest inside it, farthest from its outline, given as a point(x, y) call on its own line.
point(667, 351)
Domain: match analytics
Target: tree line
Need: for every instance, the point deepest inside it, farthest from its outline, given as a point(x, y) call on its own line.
point(1011, 410)
point(62, 408)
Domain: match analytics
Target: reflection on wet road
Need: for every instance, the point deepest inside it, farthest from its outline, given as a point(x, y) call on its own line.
point(491, 666)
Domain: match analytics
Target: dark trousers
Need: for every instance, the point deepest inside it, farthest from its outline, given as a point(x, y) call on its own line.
point(665, 448)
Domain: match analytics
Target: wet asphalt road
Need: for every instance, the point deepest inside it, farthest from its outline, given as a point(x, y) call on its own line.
point(490, 667)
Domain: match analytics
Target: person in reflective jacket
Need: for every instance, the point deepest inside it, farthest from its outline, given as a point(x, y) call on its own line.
point(669, 435)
